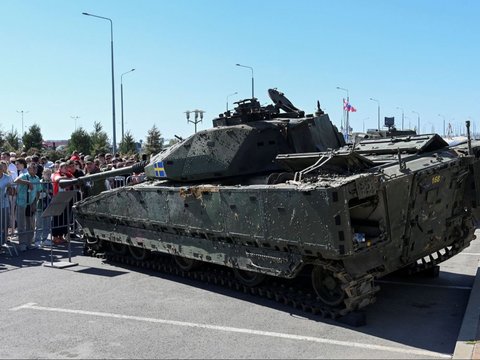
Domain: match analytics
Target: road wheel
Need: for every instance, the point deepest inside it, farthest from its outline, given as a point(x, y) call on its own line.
point(327, 286)
point(249, 278)
point(119, 249)
point(138, 253)
point(187, 264)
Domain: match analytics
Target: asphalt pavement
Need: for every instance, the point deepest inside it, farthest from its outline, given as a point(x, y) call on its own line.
point(98, 309)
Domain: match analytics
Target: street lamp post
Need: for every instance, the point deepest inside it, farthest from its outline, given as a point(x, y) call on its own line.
point(378, 111)
point(22, 112)
point(432, 127)
point(121, 98)
point(363, 123)
point(347, 123)
point(443, 116)
point(75, 118)
point(235, 93)
point(113, 77)
point(418, 119)
point(403, 115)
point(251, 68)
point(198, 117)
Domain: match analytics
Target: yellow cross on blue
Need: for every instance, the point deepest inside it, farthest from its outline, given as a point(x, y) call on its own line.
point(159, 169)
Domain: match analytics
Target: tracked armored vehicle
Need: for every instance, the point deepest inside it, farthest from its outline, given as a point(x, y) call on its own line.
point(276, 196)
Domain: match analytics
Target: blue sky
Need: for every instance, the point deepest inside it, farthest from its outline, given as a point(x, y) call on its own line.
point(417, 55)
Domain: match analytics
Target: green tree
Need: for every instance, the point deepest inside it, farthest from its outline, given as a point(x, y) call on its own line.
point(32, 138)
point(99, 140)
point(127, 146)
point(172, 142)
point(2, 139)
point(154, 143)
point(80, 140)
point(12, 141)
point(33, 150)
point(54, 155)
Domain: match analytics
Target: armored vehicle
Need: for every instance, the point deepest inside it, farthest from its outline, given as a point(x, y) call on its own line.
point(276, 196)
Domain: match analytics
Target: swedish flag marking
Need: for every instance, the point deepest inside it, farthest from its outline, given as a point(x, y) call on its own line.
point(159, 169)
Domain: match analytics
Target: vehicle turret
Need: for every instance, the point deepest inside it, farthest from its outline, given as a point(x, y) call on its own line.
point(246, 142)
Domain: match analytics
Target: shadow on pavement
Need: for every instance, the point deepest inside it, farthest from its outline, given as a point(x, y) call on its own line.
point(37, 257)
point(416, 311)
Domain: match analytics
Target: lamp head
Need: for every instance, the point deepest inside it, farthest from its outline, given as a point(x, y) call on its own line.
point(84, 13)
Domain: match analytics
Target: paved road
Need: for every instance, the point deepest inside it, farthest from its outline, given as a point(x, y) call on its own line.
point(103, 310)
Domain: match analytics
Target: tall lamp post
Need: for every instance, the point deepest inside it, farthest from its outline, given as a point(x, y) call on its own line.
point(403, 115)
point(198, 117)
point(347, 124)
point(418, 120)
point(235, 93)
point(113, 77)
point(121, 98)
point(75, 118)
point(363, 123)
point(251, 68)
point(378, 111)
point(432, 127)
point(443, 116)
point(22, 112)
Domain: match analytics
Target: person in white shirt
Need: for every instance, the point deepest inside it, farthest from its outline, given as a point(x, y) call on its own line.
point(5, 189)
point(12, 169)
point(9, 159)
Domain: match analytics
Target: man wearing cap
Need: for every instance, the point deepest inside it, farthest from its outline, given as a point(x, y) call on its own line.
point(90, 166)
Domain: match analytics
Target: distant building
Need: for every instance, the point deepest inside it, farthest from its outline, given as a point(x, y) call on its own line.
point(54, 144)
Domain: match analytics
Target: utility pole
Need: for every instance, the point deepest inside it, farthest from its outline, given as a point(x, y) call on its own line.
point(403, 115)
point(22, 112)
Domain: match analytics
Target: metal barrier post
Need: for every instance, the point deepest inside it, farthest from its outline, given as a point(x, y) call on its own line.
point(59, 204)
point(4, 222)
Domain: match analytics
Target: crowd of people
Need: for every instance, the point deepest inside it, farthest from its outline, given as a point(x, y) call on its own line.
point(29, 183)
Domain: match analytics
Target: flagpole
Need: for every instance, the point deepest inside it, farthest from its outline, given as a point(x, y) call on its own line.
point(348, 122)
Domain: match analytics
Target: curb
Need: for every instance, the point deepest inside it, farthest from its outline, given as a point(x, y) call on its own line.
point(468, 341)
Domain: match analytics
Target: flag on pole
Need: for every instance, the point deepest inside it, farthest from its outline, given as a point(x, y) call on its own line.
point(348, 107)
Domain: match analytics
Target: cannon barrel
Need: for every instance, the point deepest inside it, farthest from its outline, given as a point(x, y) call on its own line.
point(135, 168)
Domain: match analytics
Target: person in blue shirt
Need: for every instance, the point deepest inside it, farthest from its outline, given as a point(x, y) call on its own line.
point(28, 192)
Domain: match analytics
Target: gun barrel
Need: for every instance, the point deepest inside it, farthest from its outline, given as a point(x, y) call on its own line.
point(135, 168)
